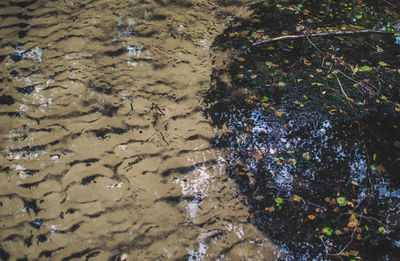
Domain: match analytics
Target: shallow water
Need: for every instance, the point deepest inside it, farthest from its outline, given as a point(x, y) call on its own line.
point(105, 150)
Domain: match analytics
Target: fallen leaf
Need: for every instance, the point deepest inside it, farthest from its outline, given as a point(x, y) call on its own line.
point(350, 253)
point(241, 59)
point(341, 201)
point(306, 62)
point(338, 232)
point(306, 155)
point(281, 84)
point(279, 113)
point(353, 222)
point(251, 215)
point(327, 231)
point(311, 217)
point(296, 198)
point(396, 144)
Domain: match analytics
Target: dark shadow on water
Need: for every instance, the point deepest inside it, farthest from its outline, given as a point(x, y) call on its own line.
point(314, 127)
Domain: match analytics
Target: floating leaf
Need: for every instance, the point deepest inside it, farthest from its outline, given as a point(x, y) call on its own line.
point(292, 162)
point(338, 232)
point(383, 64)
point(350, 253)
point(341, 201)
point(270, 209)
point(279, 113)
point(281, 84)
point(306, 155)
point(365, 68)
point(327, 231)
point(381, 230)
point(296, 198)
point(353, 222)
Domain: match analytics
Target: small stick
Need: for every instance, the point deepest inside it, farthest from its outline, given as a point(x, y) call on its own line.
point(300, 36)
point(341, 88)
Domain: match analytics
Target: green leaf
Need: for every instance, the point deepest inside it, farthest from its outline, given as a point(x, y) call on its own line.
point(327, 231)
point(383, 64)
point(300, 6)
point(270, 48)
point(341, 201)
point(384, 97)
point(381, 230)
point(365, 68)
point(278, 201)
point(301, 105)
point(265, 98)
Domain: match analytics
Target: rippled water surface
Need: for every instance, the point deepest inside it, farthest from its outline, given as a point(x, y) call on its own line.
point(105, 151)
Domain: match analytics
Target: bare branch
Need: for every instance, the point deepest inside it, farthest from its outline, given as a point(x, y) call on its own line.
point(300, 36)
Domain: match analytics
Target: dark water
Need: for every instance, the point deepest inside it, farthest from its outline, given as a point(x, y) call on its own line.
point(313, 126)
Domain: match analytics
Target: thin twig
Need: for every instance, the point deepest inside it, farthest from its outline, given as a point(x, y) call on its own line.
point(351, 239)
point(344, 93)
point(315, 46)
point(300, 36)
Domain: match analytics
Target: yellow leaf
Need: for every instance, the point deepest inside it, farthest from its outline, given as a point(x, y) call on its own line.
point(241, 59)
point(306, 62)
point(240, 76)
point(311, 217)
point(281, 84)
point(296, 198)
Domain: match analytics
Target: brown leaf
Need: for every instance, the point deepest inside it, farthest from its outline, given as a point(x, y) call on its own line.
point(353, 222)
point(396, 144)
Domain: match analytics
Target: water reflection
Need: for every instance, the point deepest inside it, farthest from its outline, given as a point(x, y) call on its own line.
point(104, 147)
